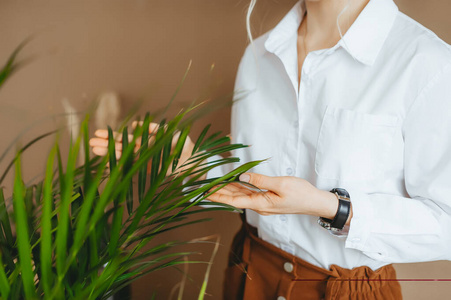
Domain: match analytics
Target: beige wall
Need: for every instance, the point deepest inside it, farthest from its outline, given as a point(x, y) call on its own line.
point(142, 47)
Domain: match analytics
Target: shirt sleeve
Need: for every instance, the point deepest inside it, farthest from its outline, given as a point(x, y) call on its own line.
point(417, 228)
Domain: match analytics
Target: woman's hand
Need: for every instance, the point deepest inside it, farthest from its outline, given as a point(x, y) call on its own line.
point(99, 144)
point(282, 195)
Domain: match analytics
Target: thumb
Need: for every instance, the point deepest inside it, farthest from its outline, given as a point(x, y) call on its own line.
point(261, 181)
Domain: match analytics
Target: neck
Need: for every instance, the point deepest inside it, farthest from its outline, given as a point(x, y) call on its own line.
point(321, 20)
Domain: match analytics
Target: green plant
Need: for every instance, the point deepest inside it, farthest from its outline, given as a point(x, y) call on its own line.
point(75, 234)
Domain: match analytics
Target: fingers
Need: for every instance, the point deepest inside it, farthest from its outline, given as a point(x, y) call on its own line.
point(263, 203)
point(103, 143)
point(100, 147)
point(103, 134)
point(236, 201)
point(232, 191)
point(135, 123)
point(237, 187)
point(152, 126)
point(262, 181)
point(102, 151)
point(100, 142)
point(238, 196)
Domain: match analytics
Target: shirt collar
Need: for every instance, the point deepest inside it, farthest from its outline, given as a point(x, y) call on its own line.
point(363, 40)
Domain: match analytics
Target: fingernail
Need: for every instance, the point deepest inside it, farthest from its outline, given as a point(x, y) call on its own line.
point(245, 177)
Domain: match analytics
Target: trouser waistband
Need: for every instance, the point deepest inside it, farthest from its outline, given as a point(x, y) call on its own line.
point(268, 272)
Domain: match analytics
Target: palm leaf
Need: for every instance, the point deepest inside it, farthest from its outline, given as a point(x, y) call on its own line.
point(23, 237)
point(12, 65)
point(28, 145)
point(46, 226)
point(5, 287)
point(77, 234)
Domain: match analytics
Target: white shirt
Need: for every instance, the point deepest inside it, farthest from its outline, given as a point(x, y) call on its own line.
point(378, 125)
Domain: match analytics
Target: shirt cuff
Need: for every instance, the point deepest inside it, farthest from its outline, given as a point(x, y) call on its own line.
point(362, 217)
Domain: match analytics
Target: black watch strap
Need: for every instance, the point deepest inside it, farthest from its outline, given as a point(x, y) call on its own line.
point(343, 211)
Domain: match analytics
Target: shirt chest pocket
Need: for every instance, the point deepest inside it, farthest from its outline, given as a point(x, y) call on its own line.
point(354, 145)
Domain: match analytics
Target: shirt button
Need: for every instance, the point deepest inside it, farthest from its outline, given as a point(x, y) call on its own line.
point(288, 267)
point(283, 218)
point(289, 171)
point(281, 298)
point(295, 123)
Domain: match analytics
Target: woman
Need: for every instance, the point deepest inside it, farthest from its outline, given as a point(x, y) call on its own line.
point(361, 116)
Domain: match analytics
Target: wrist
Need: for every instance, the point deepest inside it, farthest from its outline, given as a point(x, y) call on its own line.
point(328, 204)
point(343, 215)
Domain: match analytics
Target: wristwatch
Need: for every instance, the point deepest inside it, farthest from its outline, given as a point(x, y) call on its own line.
point(343, 211)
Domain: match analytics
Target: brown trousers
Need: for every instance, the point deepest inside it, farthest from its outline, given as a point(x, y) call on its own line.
point(258, 270)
